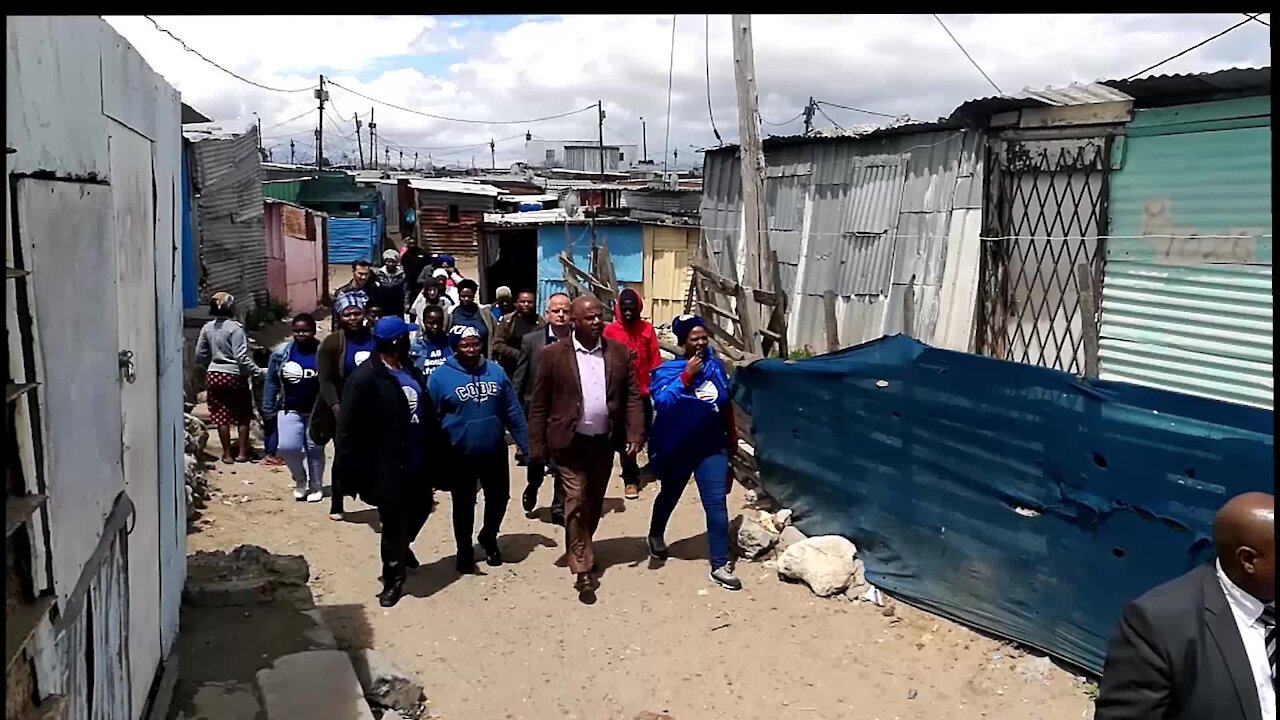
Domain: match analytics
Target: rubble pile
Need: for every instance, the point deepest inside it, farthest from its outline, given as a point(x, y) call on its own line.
point(827, 564)
point(197, 436)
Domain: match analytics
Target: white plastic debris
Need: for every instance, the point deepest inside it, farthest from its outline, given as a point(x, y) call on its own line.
point(873, 595)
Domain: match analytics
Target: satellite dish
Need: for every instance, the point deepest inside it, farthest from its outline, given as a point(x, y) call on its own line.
point(570, 204)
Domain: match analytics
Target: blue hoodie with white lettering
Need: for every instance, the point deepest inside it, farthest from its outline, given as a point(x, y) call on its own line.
point(477, 408)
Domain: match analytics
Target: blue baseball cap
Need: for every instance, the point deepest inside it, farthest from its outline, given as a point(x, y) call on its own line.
point(392, 327)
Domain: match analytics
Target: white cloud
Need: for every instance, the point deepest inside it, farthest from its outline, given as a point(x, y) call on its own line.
point(545, 65)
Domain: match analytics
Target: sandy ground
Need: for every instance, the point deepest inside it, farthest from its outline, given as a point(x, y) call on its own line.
point(516, 643)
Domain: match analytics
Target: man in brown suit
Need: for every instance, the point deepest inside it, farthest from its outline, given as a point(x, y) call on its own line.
point(585, 406)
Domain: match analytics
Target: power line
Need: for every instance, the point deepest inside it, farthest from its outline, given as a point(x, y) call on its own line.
point(1256, 19)
point(671, 75)
point(966, 54)
point(460, 120)
point(854, 109)
point(233, 74)
point(828, 117)
point(299, 116)
point(1248, 18)
point(784, 122)
point(707, 44)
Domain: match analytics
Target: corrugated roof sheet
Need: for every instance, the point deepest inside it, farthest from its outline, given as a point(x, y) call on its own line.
point(459, 187)
point(1075, 94)
point(228, 178)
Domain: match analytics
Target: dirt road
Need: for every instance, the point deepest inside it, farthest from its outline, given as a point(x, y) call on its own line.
point(515, 643)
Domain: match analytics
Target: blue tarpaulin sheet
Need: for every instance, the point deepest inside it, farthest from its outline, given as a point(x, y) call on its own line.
point(1024, 501)
point(352, 239)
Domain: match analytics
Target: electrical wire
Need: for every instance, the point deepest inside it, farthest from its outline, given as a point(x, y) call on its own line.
point(854, 109)
point(1256, 19)
point(592, 106)
point(299, 116)
point(828, 117)
point(671, 75)
point(966, 54)
point(707, 44)
point(233, 74)
point(1200, 44)
point(784, 122)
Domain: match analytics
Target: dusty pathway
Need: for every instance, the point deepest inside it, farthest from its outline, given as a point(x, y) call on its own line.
point(515, 642)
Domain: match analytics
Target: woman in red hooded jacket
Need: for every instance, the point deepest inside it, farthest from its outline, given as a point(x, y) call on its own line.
point(638, 335)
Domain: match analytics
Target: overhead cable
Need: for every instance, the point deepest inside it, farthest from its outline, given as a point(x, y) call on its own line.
point(784, 122)
point(671, 74)
point(855, 109)
point(592, 106)
point(966, 54)
point(1248, 18)
point(1255, 18)
point(232, 73)
point(707, 44)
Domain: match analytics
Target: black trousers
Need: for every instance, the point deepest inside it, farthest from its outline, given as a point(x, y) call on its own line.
point(537, 471)
point(491, 474)
point(401, 523)
point(631, 464)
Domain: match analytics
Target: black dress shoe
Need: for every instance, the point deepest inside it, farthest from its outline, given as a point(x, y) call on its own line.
point(466, 565)
point(585, 585)
point(557, 517)
point(411, 560)
point(529, 500)
point(391, 592)
point(492, 555)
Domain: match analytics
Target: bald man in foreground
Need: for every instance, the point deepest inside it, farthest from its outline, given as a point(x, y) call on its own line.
point(585, 406)
point(1202, 646)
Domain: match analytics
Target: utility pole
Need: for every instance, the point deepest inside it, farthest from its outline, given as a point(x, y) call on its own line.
point(644, 139)
point(752, 161)
point(373, 140)
point(290, 152)
point(493, 163)
point(321, 95)
point(259, 119)
point(359, 146)
point(387, 153)
point(415, 161)
point(808, 115)
point(600, 110)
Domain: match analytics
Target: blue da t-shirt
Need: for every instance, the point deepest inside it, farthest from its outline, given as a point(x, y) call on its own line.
point(413, 393)
point(357, 351)
point(427, 354)
point(301, 385)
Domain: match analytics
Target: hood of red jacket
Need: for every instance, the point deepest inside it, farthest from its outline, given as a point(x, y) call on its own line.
point(617, 307)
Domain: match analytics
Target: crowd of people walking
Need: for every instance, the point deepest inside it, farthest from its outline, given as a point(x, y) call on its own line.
point(418, 387)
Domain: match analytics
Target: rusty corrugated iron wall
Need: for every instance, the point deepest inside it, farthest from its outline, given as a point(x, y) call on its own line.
point(228, 185)
point(437, 232)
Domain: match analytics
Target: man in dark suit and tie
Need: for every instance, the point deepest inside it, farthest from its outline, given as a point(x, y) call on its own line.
point(531, 347)
point(1203, 646)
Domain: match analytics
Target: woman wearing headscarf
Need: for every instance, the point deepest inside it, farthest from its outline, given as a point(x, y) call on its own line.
point(339, 355)
point(223, 349)
point(469, 313)
point(693, 434)
point(388, 285)
point(477, 406)
point(386, 432)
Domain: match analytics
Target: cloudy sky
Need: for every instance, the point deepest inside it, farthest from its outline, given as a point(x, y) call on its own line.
point(520, 68)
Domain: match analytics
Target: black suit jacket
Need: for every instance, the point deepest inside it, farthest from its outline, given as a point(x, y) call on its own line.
point(1177, 655)
point(531, 347)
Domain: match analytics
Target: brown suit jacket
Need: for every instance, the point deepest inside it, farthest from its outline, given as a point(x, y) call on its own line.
point(556, 403)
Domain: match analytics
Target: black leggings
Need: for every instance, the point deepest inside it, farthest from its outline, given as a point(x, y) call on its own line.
point(492, 474)
point(401, 523)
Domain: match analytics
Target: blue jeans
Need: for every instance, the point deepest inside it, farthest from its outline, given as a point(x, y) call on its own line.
point(271, 443)
point(303, 457)
point(711, 473)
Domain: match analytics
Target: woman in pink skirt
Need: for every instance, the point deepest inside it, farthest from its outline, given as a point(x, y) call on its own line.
point(223, 349)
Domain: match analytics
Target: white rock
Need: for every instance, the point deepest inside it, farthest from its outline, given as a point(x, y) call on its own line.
point(782, 519)
point(385, 683)
point(825, 564)
point(749, 496)
point(750, 538)
point(790, 536)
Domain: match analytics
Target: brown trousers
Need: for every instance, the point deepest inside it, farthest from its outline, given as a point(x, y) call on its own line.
point(585, 467)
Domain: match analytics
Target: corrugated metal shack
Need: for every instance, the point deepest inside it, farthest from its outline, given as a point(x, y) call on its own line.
point(297, 251)
point(868, 217)
point(450, 213)
point(228, 184)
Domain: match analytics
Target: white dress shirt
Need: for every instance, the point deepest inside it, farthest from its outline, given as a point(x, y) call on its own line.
point(1246, 609)
point(595, 407)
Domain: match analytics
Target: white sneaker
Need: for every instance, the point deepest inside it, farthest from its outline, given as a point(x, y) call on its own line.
point(299, 495)
point(315, 496)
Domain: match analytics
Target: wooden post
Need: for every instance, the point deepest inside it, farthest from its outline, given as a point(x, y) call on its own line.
point(829, 319)
point(752, 161)
point(909, 309)
point(1088, 318)
point(779, 321)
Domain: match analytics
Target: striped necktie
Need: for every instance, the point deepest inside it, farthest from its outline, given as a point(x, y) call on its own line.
point(1268, 620)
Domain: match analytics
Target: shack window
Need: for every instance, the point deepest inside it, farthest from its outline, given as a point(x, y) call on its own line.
point(454, 215)
point(620, 156)
point(551, 156)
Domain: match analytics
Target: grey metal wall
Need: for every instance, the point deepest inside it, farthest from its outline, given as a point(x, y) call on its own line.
point(228, 180)
point(867, 218)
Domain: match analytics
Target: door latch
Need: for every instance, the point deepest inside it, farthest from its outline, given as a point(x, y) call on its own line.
point(127, 367)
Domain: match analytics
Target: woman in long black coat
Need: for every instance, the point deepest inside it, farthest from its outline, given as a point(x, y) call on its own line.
point(386, 432)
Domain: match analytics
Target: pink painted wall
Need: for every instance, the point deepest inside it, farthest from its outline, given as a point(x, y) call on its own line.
point(295, 255)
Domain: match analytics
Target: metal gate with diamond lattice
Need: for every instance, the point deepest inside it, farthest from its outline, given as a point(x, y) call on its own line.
point(1044, 224)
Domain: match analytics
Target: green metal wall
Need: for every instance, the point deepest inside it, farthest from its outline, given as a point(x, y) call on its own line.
point(282, 190)
point(1186, 297)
